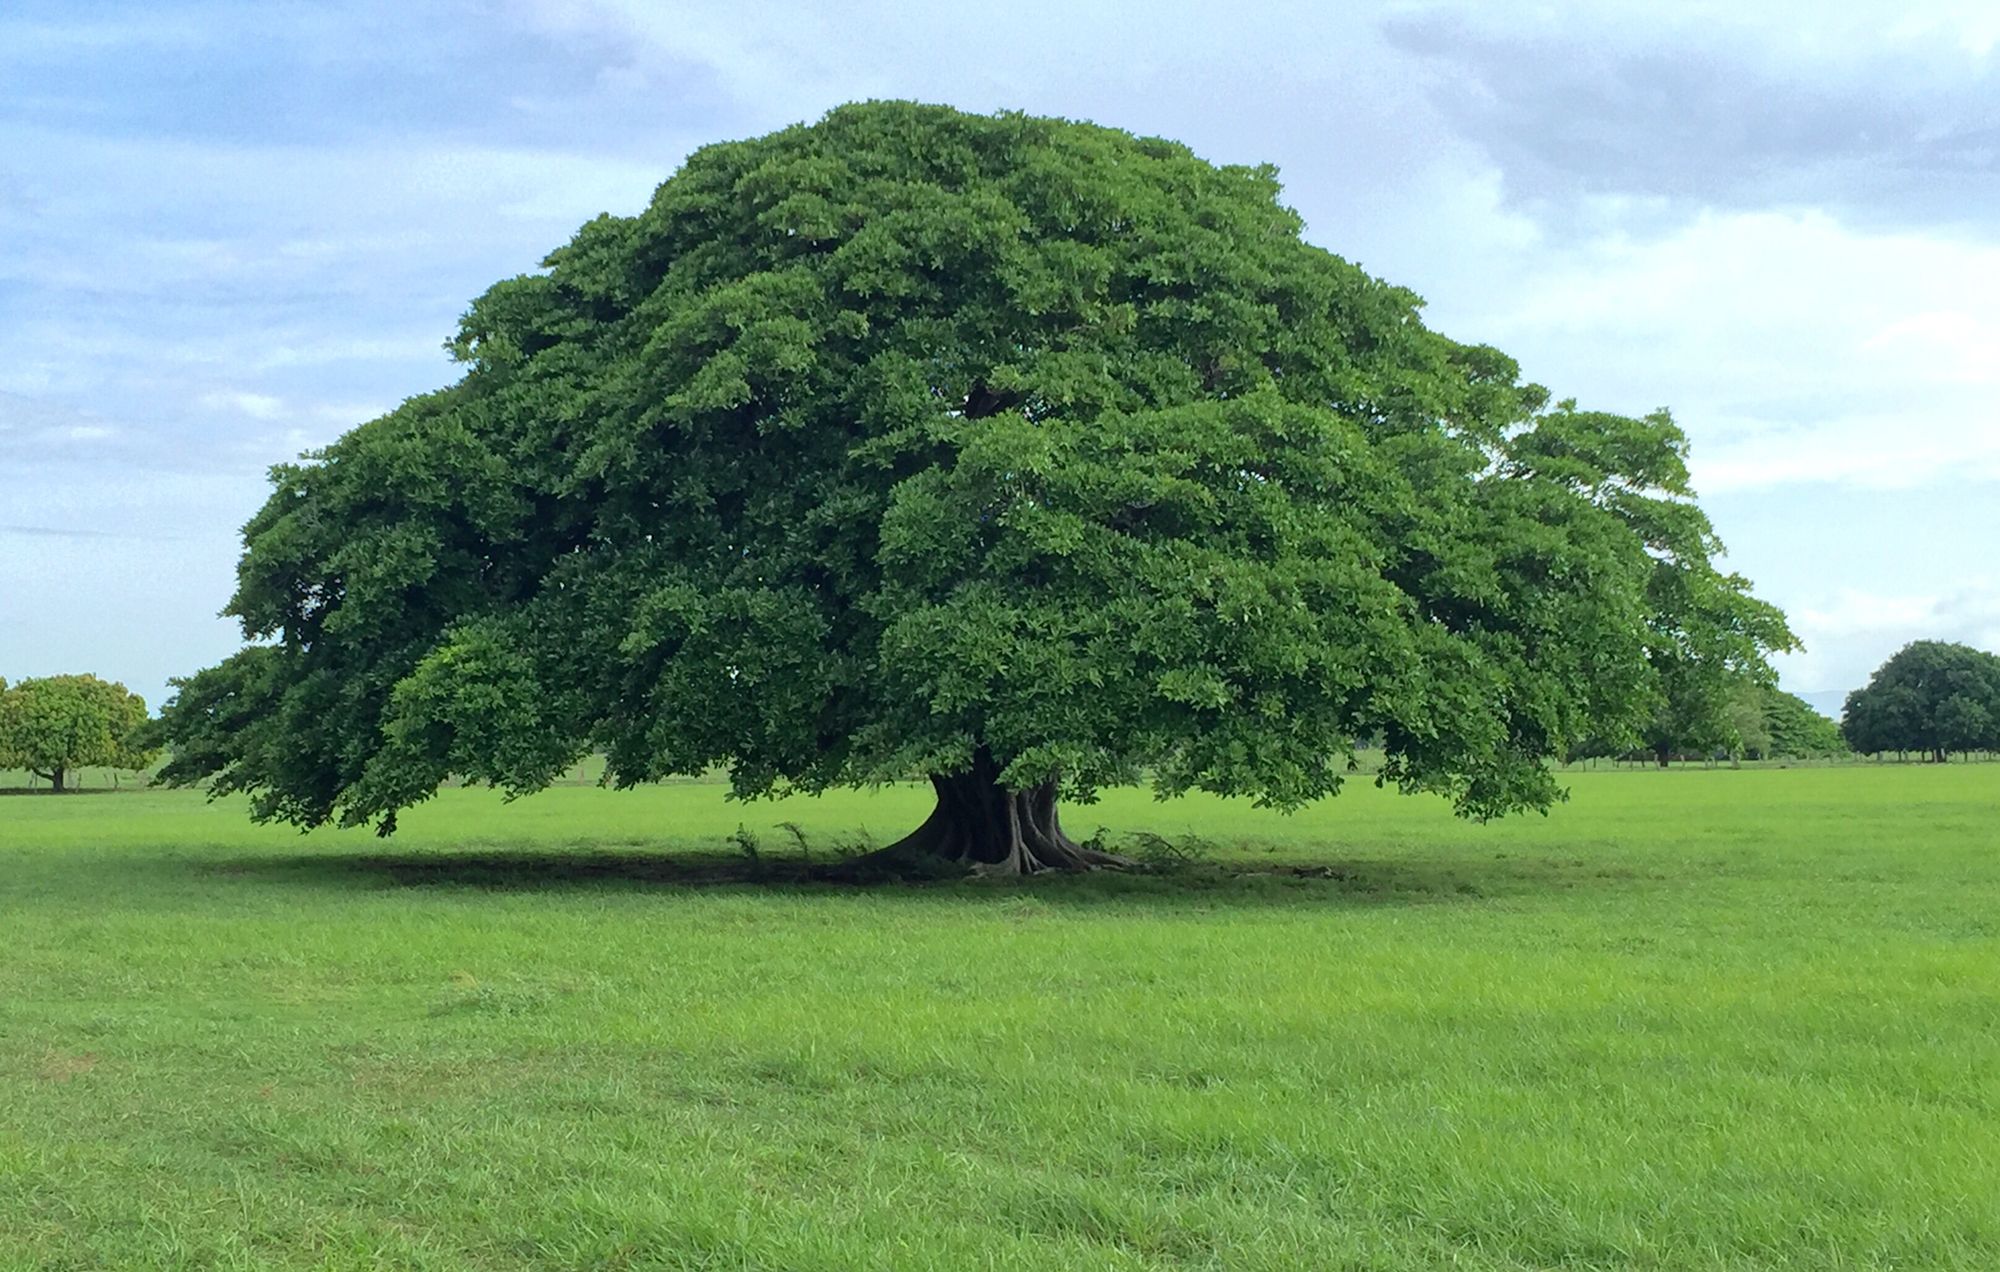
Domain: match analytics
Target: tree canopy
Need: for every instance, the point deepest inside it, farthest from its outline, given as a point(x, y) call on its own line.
point(1930, 696)
point(54, 724)
point(1022, 453)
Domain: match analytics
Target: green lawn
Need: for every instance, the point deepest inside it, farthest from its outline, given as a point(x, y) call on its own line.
point(1702, 1018)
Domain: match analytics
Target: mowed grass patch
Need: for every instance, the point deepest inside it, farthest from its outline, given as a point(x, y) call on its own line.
point(1690, 1019)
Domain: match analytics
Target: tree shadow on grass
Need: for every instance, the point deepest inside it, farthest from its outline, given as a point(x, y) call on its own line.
point(43, 792)
point(505, 870)
point(1262, 879)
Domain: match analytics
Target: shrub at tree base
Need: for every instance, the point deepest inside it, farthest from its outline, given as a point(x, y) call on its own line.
point(55, 724)
point(1021, 453)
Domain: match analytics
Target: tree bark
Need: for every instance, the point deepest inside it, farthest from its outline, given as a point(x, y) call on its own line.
point(990, 829)
point(54, 777)
point(1664, 754)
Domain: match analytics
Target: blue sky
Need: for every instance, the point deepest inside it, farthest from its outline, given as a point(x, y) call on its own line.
point(234, 230)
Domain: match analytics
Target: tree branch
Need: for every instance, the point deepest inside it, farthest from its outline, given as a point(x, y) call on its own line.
point(981, 401)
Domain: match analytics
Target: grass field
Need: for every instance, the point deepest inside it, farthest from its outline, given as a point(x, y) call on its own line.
point(1692, 1019)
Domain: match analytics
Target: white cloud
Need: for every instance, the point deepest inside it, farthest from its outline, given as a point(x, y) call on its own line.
point(169, 282)
point(1793, 348)
point(1974, 25)
point(1881, 452)
point(1849, 631)
point(34, 429)
point(307, 424)
point(1803, 32)
point(23, 40)
point(1951, 345)
point(1852, 612)
point(258, 406)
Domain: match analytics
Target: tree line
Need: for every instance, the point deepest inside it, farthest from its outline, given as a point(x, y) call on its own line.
point(1743, 720)
point(1935, 699)
point(1932, 698)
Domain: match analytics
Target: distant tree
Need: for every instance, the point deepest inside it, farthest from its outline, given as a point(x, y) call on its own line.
point(1024, 454)
point(1933, 697)
point(1796, 731)
point(1748, 732)
point(55, 724)
point(1703, 717)
point(1744, 717)
point(1966, 723)
point(1706, 639)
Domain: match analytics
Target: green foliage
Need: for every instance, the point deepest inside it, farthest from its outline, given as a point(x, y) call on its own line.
point(1796, 731)
point(1931, 696)
point(1744, 715)
point(53, 724)
point(910, 436)
point(1707, 637)
point(1739, 716)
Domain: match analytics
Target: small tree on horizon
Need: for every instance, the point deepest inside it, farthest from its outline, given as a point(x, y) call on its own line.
point(53, 725)
point(1024, 454)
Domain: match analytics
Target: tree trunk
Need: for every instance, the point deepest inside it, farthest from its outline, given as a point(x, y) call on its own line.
point(1664, 754)
point(983, 825)
point(54, 777)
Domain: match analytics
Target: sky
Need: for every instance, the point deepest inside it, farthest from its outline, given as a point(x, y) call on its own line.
point(231, 231)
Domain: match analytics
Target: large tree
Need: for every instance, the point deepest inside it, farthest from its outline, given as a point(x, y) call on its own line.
point(52, 725)
point(1931, 696)
point(1026, 454)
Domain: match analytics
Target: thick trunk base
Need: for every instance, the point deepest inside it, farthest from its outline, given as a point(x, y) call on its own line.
point(988, 829)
